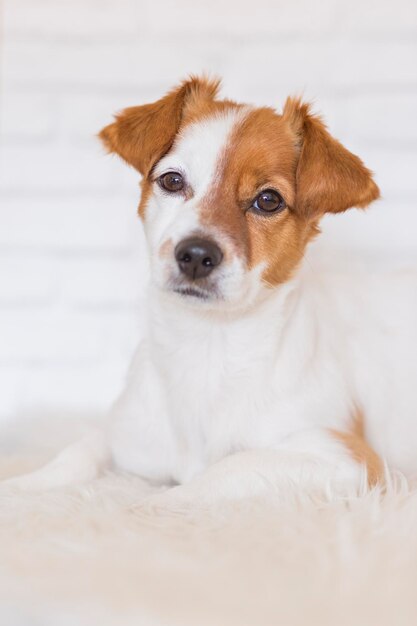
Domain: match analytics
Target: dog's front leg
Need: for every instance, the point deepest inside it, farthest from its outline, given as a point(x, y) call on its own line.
point(79, 462)
point(313, 463)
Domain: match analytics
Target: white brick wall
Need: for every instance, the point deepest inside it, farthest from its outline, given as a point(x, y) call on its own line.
point(72, 261)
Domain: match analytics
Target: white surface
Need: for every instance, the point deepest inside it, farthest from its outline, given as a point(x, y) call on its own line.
point(72, 257)
point(96, 554)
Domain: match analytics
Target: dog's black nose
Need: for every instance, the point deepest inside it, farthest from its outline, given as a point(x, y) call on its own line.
point(197, 257)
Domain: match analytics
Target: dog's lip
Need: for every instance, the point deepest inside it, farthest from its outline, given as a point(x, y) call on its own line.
point(193, 292)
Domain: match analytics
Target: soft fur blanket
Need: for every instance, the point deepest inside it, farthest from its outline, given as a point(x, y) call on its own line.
point(96, 555)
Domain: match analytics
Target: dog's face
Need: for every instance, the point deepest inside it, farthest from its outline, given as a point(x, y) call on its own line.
point(232, 194)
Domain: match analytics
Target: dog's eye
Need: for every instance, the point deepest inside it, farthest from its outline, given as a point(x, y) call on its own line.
point(269, 201)
point(171, 181)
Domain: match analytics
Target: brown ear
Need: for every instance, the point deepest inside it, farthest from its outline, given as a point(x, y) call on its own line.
point(141, 135)
point(329, 178)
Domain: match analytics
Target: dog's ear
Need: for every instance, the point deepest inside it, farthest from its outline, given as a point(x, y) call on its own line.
point(141, 135)
point(329, 178)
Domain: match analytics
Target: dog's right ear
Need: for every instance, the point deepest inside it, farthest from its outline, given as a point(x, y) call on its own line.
point(141, 135)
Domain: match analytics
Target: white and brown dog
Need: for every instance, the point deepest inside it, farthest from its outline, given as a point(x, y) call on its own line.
point(252, 374)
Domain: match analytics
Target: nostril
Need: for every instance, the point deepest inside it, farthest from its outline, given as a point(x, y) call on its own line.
point(186, 258)
point(207, 262)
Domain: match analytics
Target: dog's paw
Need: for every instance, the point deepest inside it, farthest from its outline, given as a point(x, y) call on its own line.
point(177, 501)
point(24, 482)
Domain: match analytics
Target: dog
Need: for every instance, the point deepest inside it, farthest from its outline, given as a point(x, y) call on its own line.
point(253, 372)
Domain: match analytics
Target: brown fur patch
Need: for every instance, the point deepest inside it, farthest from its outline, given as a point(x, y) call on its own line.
point(167, 249)
point(141, 135)
point(261, 153)
point(294, 154)
point(146, 191)
point(361, 451)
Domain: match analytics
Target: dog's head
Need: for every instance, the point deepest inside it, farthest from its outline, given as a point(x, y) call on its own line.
point(231, 194)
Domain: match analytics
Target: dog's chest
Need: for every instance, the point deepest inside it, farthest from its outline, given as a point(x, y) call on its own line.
point(196, 393)
point(213, 394)
point(226, 390)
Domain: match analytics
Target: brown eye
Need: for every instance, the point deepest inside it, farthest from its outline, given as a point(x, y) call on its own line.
point(171, 181)
point(269, 201)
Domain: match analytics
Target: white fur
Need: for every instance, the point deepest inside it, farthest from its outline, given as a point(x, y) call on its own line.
point(169, 219)
point(249, 385)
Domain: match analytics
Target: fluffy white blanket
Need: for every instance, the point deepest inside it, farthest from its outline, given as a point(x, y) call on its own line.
point(95, 556)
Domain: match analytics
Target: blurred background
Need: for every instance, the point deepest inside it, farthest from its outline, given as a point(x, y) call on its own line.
point(72, 263)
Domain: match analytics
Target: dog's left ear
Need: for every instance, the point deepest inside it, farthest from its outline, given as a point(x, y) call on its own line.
point(141, 135)
point(329, 178)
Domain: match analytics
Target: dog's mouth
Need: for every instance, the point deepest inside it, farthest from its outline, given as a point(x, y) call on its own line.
point(199, 292)
point(193, 292)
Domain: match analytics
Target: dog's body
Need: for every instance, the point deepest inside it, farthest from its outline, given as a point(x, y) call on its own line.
point(253, 371)
point(214, 385)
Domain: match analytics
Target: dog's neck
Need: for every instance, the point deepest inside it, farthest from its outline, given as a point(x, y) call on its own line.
point(251, 333)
